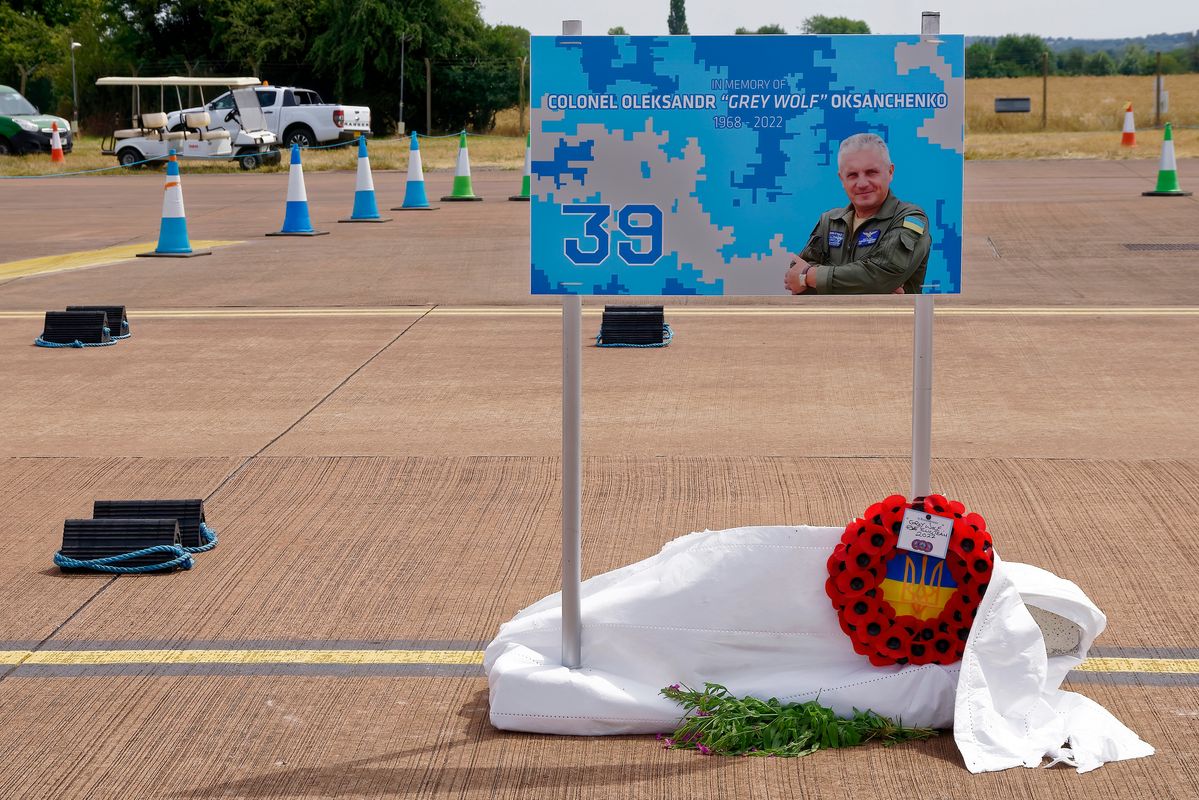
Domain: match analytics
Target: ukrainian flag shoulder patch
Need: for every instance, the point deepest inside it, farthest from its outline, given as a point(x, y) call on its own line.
point(914, 224)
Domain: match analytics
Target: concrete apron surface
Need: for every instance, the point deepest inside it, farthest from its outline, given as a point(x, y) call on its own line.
point(373, 420)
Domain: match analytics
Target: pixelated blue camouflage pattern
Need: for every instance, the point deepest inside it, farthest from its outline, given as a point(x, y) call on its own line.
point(736, 203)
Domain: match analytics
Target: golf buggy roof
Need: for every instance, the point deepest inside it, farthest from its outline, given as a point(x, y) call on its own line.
point(174, 80)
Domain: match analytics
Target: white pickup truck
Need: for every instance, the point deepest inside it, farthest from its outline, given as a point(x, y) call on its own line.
point(294, 115)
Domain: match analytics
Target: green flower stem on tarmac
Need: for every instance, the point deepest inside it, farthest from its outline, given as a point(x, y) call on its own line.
point(716, 723)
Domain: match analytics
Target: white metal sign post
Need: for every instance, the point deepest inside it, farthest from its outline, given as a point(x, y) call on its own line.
point(922, 355)
point(572, 460)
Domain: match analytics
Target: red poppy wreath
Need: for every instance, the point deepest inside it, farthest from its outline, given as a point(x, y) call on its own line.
point(899, 607)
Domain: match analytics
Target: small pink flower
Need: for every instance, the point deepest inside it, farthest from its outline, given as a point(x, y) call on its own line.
point(667, 743)
point(702, 713)
point(704, 750)
point(675, 686)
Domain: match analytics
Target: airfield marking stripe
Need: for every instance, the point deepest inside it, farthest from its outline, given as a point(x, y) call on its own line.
point(200, 313)
point(1178, 666)
point(102, 657)
point(86, 258)
point(343, 657)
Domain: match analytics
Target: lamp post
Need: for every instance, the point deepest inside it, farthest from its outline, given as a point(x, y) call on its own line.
point(74, 90)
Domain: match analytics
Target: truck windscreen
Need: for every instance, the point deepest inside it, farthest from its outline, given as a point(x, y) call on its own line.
point(252, 118)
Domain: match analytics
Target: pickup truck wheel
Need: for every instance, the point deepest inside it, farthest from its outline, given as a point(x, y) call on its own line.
point(128, 156)
point(299, 134)
point(250, 159)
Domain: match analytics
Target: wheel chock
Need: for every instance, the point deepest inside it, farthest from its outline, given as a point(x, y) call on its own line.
point(90, 539)
point(188, 513)
point(633, 326)
point(118, 322)
point(75, 329)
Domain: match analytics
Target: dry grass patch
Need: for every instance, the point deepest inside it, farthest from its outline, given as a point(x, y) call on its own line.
point(1079, 103)
point(1078, 144)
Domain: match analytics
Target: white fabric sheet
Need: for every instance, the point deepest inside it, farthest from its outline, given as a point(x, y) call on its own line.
point(746, 608)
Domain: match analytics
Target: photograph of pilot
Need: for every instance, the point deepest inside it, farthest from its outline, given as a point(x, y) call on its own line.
point(878, 244)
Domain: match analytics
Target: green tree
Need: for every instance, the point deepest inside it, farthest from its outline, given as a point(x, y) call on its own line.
point(765, 29)
point(1018, 55)
point(27, 44)
point(676, 21)
point(1101, 63)
point(1135, 61)
point(618, 31)
point(1072, 62)
point(254, 32)
point(827, 25)
point(980, 60)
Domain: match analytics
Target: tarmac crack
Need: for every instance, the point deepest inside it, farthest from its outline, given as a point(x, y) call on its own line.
point(249, 460)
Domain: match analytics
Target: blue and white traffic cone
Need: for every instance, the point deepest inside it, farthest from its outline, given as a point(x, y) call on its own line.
point(415, 198)
point(172, 233)
point(296, 221)
point(365, 208)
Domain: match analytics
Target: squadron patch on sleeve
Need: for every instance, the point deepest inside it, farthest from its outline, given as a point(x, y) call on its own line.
point(835, 238)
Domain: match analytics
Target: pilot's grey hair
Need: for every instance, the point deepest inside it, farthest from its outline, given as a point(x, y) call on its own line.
point(863, 141)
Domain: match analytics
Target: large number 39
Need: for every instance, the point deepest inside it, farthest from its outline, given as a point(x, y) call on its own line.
point(631, 222)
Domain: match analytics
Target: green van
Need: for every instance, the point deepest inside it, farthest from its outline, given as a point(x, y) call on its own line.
point(24, 129)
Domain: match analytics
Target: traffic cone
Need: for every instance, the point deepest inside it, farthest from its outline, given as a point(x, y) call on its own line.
point(415, 198)
point(1167, 171)
point(296, 221)
point(56, 155)
point(172, 234)
point(462, 189)
point(365, 209)
point(527, 179)
point(1129, 139)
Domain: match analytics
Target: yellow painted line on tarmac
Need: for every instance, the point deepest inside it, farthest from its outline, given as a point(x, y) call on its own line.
point(86, 258)
point(14, 656)
point(341, 657)
point(1173, 666)
point(554, 312)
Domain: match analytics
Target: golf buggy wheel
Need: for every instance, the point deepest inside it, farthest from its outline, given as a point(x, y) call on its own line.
point(299, 134)
point(249, 159)
point(129, 156)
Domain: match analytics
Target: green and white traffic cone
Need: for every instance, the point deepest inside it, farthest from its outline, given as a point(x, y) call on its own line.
point(1167, 171)
point(528, 178)
point(462, 189)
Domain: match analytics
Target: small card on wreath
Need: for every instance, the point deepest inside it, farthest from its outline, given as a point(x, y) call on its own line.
point(927, 534)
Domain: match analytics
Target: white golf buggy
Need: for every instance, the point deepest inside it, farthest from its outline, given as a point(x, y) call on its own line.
point(150, 140)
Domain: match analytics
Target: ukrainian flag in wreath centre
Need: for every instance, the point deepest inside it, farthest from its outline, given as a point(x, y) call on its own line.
point(917, 585)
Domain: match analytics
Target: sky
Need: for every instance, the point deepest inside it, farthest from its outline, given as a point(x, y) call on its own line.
point(1088, 19)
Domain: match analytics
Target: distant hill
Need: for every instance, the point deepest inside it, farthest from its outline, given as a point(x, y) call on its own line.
point(1164, 42)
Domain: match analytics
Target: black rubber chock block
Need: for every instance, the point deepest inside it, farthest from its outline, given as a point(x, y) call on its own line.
point(118, 322)
point(87, 539)
point(633, 325)
point(189, 513)
point(65, 327)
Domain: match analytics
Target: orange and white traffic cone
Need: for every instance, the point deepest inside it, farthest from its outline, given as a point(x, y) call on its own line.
point(56, 155)
point(1129, 137)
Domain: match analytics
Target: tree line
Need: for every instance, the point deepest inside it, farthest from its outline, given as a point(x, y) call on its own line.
point(348, 50)
point(1015, 56)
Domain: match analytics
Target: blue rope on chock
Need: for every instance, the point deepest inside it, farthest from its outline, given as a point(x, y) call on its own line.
point(40, 342)
point(209, 537)
point(124, 327)
point(182, 559)
point(667, 335)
